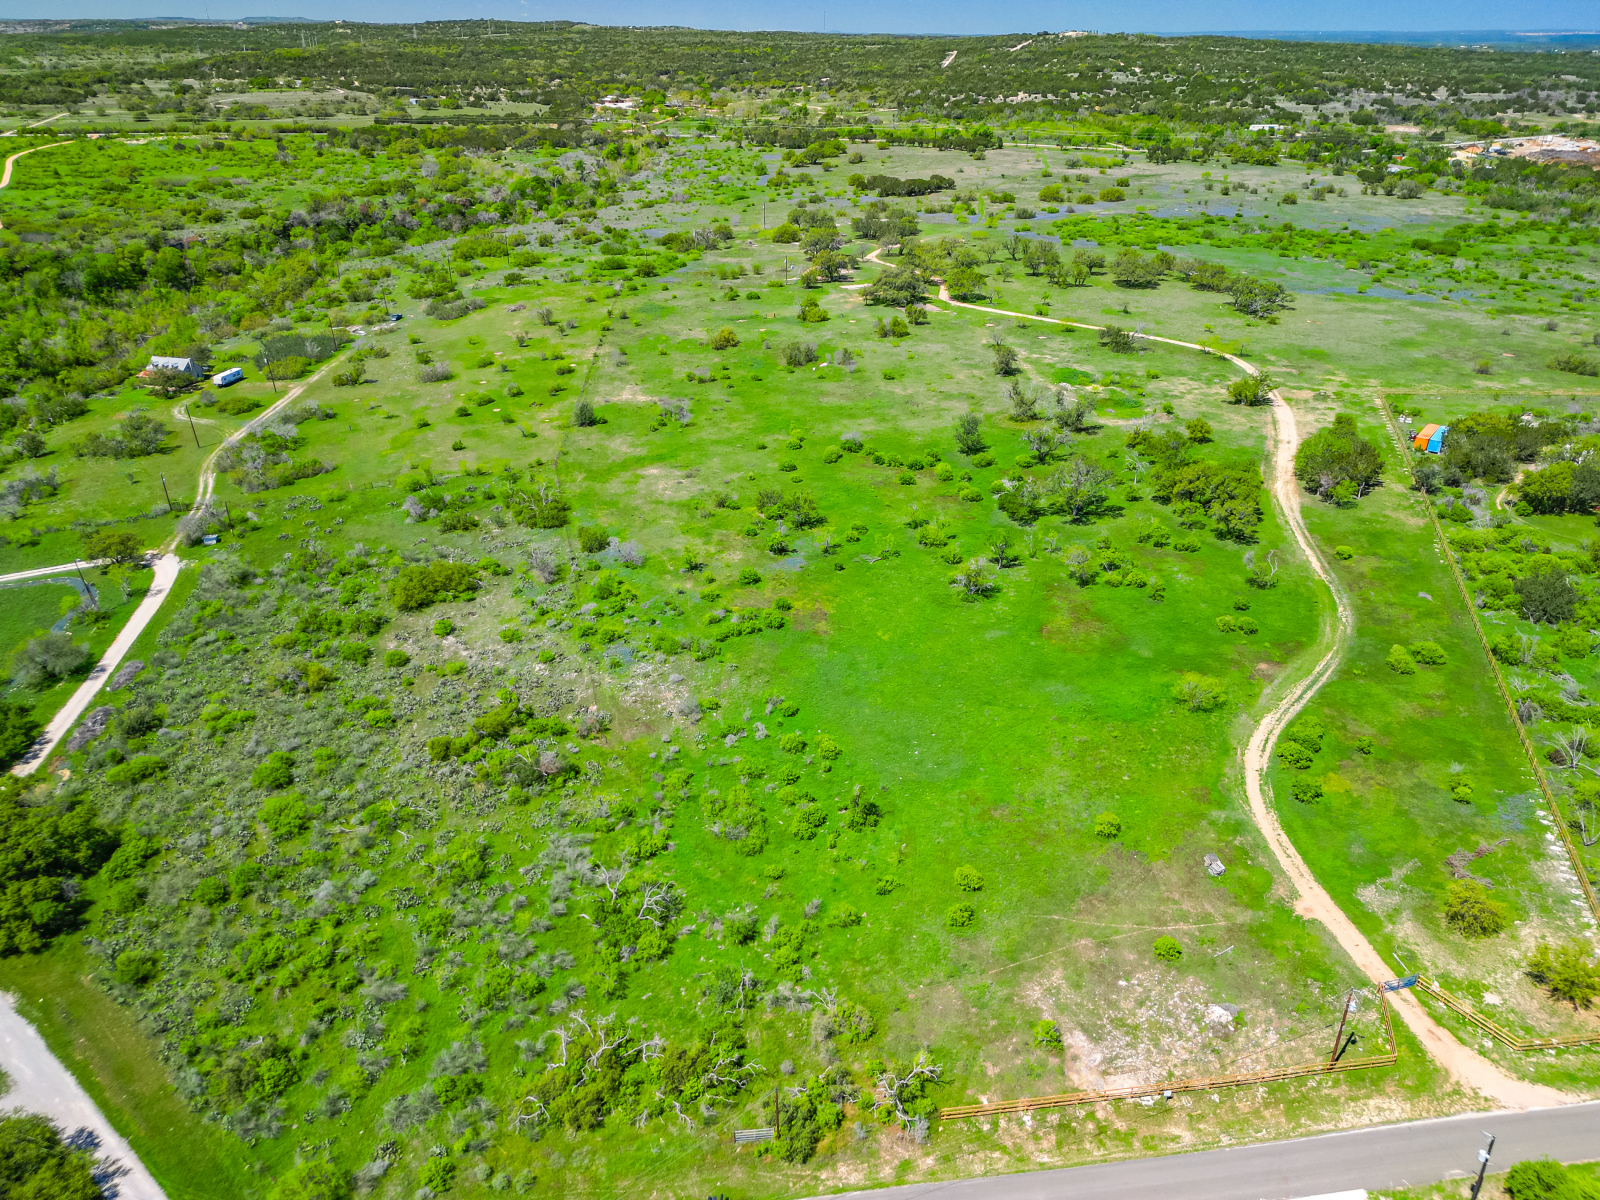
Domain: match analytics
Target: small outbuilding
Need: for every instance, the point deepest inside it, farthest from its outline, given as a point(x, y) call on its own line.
point(1430, 438)
point(1214, 866)
point(231, 375)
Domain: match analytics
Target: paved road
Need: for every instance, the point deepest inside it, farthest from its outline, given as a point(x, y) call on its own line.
point(39, 1083)
point(1384, 1156)
point(71, 568)
point(165, 574)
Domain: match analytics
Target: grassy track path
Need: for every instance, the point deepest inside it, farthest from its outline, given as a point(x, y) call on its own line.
point(1466, 1067)
point(5, 176)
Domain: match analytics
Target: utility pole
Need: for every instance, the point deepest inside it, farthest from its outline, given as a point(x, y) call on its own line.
point(87, 590)
point(227, 516)
point(166, 493)
point(190, 415)
point(1483, 1165)
point(1344, 1016)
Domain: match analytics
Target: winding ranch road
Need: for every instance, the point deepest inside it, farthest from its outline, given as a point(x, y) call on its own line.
point(5, 176)
point(1464, 1066)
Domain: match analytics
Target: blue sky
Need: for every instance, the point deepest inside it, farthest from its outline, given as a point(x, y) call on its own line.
point(876, 16)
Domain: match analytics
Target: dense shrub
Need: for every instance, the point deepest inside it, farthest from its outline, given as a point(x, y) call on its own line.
point(1306, 791)
point(1252, 390)
point(1429, 654)
point(418, 587)
point(1198, 693)
point(315, 1180)
point(1569, 972)
point(273, 772)
point(137, 967)
point(287, 815)
point(18, 729)
point(1166, 949)
point(136, 770)
point(1469, 910)
point(1400, 661)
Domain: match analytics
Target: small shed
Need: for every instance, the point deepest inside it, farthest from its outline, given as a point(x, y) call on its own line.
point(1214, 866)
point(163, 362)
point(231, 375)
point(1430, 438)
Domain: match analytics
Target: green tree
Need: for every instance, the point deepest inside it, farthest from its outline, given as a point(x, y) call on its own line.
point(1548, 491)
point(37, 1164)
point(966, 281)
point(50, 657)
point(118, 545)
point(1337, 455)
point(1118, 340)
point(1547, 597)
point(1132, 269)
point(969, 434)
point(166, 382)
point(898, 286)
point(42, 851)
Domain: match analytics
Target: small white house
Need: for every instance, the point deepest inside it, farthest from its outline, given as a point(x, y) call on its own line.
point(231, 375)
point(163, 362)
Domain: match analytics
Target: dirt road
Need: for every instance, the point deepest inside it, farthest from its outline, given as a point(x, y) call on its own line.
point(1466, 1067)
point(164, 576)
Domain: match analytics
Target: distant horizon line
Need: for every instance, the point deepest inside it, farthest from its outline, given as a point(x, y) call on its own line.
point(1262, 34)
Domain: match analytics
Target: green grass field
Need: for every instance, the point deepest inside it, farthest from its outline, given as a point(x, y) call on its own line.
point(884, 731)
